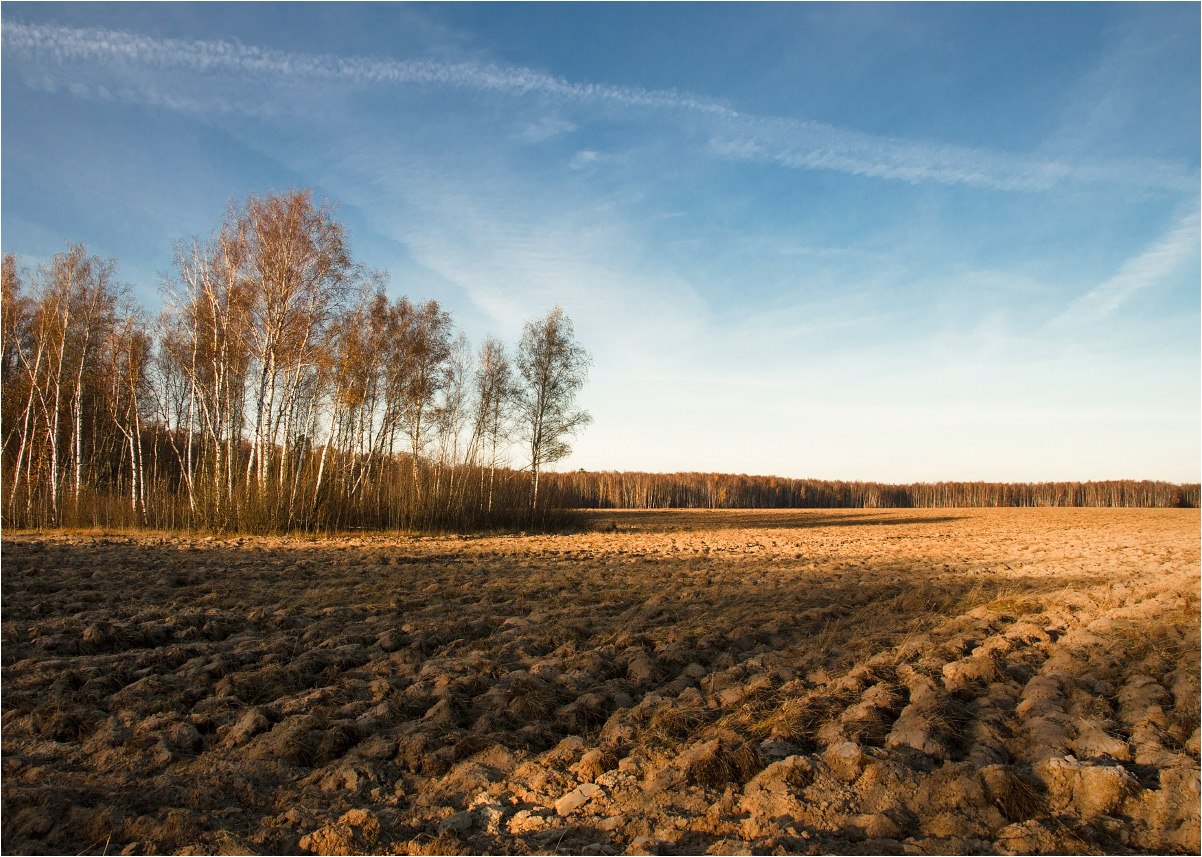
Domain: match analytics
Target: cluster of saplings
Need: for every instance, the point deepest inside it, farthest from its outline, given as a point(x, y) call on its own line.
point(280, 388)
point(614, 490)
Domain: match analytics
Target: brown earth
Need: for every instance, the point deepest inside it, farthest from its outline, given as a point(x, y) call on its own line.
point(957, 681)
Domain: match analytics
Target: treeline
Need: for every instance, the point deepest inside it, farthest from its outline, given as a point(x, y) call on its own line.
point(279, 388)
point(615, 490)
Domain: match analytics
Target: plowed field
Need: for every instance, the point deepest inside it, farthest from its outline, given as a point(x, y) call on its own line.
point(963, 681)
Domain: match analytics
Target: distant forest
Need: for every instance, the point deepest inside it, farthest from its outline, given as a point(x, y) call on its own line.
point(614, 490)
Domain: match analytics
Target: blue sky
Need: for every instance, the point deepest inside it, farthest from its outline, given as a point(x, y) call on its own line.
point(896, 242)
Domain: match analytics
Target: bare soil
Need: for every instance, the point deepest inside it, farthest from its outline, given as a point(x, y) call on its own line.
point(958, 681)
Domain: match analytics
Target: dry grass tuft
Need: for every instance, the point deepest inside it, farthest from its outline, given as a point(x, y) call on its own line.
point(531, 699)
point(676, 723)
point(445, 842)
point(733, 761)
point(802, 721)
point(1015, 792)
point(60, 722)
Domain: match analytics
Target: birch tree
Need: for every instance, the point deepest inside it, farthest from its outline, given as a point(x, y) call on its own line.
point(52, 336)
point(551, 367)
point(295, 258)
point(495, 393)
point(423, 351)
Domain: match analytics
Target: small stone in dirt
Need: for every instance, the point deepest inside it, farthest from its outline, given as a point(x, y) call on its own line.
point(576, 798)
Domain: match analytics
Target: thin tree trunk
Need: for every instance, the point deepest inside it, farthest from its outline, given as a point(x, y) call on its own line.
point(141, 474)
point(188, 475)
point(33, 388)
point(321, 467)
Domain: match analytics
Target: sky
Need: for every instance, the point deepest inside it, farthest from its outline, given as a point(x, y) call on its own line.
point(908, 242)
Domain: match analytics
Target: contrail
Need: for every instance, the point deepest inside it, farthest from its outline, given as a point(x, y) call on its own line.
point(734, 135)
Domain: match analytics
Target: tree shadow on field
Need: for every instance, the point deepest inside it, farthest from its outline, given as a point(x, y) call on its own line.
point(447, 655)
point(676, 520)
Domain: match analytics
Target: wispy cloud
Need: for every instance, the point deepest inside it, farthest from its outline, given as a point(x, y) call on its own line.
point(156, 94)
point(1149, 268)
point(733, 134)
point(511, 250)
point(584, 158)
point(815, 145)
point(546, 128)
point(68, 44)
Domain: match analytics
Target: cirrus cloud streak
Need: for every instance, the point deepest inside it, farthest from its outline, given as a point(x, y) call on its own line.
point(732, 134)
